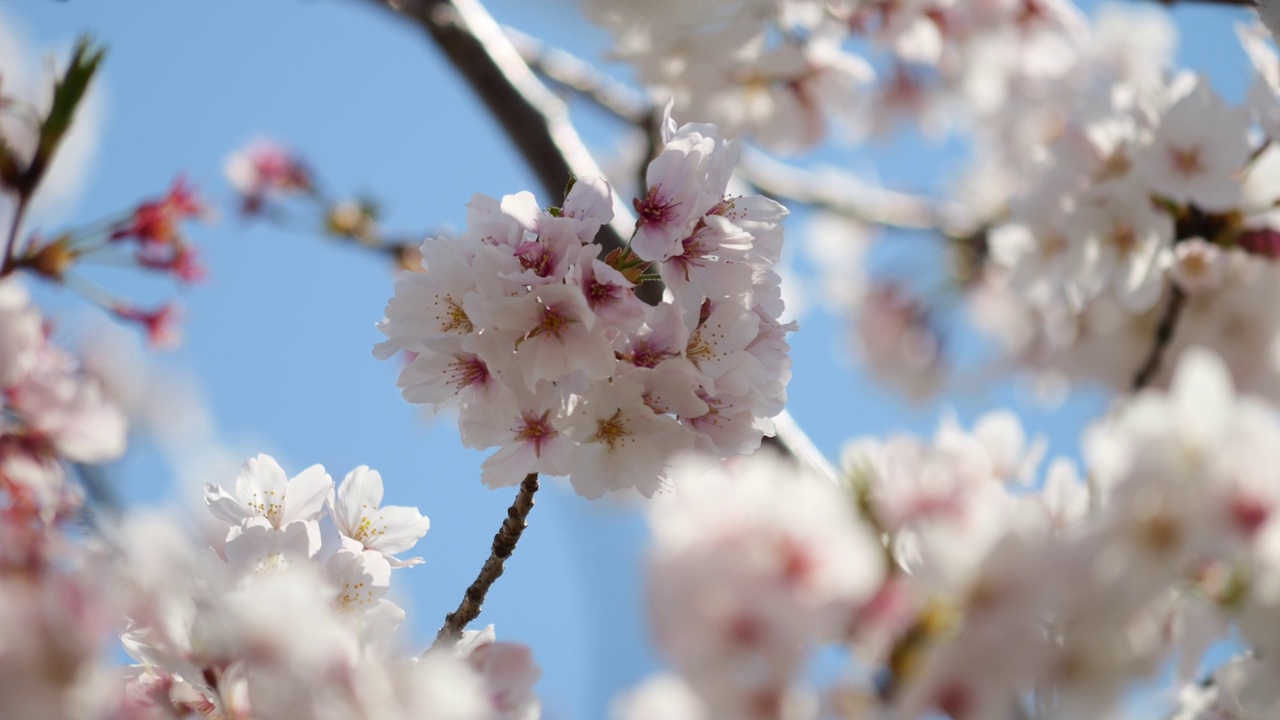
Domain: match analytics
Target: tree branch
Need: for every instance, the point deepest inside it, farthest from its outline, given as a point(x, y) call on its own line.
point(7, 264)
point(830, 190)
point(533, 117)
point(1163, 337)
point(585, 79)
point(841, 193)
point(504, 543)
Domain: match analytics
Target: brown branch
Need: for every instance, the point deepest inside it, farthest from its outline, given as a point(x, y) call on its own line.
point(7, 264)
point(1164, 335)
point(830, 190)
point(570, 72)
point(504, 543)
point(533, 117)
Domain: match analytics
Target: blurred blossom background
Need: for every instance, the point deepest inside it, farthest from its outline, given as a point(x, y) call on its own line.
point(276, 355)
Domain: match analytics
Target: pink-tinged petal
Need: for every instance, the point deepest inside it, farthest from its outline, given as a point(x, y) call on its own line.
point(657, 243)
point(590, 205)
point(556, 456)
point(509, 465)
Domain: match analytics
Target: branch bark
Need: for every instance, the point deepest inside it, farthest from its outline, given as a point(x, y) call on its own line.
point(1163, 337)
point(504, 544)
point(843, 194)
point(533, 117)
point(583, 78)
point(830, 190)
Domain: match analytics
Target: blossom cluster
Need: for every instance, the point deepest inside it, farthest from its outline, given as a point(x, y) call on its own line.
point(961, 586)
point(53, 412)
point(1150, 193)
point(551, 356)
point(261, 619)
point(780, 72)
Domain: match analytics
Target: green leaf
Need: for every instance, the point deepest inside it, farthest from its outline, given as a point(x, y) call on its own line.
point(68, 92)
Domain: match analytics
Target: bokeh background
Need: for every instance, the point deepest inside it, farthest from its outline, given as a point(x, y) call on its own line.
point(277, 358)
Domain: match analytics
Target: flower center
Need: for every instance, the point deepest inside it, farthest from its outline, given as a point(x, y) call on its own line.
point(536, 430)
point(451, 316)
point(536, 257)
point(1187, 160)
point(467, 370)
point(654, 208)
point(612, 432)
point(552, 323)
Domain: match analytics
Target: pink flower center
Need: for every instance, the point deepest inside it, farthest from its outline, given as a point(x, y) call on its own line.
point(655, 208)
point(536, 257)
point(647, 355)
point(536, 430)
point(599, 293)
point(552, 323)
point(466, 371)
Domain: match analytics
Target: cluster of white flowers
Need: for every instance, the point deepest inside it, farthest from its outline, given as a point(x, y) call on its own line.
point(264, 620)
point(549, 354)
point(749, 568)
point(996, 591)
point(53, 411)
point(1149, 192)
point(780, 71)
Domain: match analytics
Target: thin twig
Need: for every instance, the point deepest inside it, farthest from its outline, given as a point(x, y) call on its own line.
point(11, 242)
point(504, 543)
point(839, 192)
point(573, 73)
point(1164, 335)
point(830, 190)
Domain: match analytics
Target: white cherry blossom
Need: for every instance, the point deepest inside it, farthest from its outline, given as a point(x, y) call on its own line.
point(263, 490)
point(1198, 148)
point(360, 516)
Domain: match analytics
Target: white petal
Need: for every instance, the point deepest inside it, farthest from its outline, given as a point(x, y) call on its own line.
point(307, 495)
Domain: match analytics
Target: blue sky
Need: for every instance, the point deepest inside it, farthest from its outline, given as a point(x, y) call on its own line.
point(280, 335)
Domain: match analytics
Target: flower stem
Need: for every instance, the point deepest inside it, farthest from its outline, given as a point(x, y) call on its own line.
point(1164, 335)
point(11, 243)
point(504, 543)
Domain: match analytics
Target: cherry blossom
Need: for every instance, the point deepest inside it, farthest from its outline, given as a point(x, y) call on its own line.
point(360, 516)
point(747, 568)
point(263, 171)
point(263, 490)
point(549, 354)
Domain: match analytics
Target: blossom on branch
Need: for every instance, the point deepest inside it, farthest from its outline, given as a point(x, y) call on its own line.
point(549, 355)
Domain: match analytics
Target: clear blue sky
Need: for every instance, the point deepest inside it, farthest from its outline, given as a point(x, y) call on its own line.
point(280, 335)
